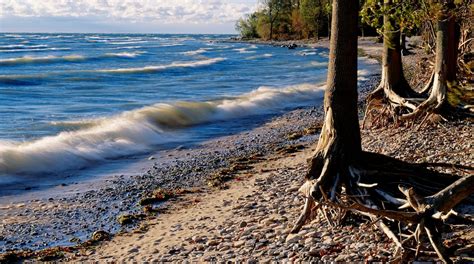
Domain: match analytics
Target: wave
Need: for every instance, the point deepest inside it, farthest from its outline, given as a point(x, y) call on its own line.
point(66, 58)
point(307, 53)
point(123, 54)
point(22, 79)
point(21, 46)
point(195, 52)
point(319, 64)
point(34, 49)
point(244, 50)
point(125, 47)
point(151, 69)
point(139, 130)
point(266, 55)
point(171, 45)
point(46, 59)
point(126, 42)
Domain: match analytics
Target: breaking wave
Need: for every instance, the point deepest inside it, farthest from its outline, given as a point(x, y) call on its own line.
point(151, 69)
point(139, 130)
point(66, 58)
point(46, 59)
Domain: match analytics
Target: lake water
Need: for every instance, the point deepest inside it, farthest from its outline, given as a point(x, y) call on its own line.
point(75, 101)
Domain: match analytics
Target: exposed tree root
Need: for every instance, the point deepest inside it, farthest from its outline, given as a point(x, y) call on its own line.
point(407, 193)
point(442, 96)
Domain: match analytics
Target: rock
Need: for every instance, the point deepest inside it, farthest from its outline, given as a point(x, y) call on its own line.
point(293, 238)
point(100, 235)
point(314, 252)
point(250, 243)
point(252, 261)
point(212, 243)
point(341, 258)
point(133, 250)
point(243, 224)
point(239, 243)
point(197, 239)
point(328, 241)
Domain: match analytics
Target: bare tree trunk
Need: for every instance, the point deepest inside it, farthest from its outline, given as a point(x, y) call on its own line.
point(372, 181)
point(393, 78)
point(445, 70)
point(393, 87)
point(403, 43)
point(340, 141)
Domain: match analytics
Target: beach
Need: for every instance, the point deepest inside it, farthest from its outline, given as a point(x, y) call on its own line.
point(246, 216)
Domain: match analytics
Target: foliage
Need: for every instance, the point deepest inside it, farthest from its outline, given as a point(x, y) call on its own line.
point(247, 26)
point(287, 19)
point(407, 15)
point(315, 14)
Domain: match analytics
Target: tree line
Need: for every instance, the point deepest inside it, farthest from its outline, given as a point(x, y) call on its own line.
point(304, 19)
point(287, 19)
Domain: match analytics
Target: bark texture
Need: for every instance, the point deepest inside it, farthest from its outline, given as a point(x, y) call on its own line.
point(341, 177)
point(339, 143)
point(444, 74)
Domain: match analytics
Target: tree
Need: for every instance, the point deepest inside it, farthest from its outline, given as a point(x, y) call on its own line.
point(310, 11)
point(343, 177)
point(442, 95)
point(340, 133)
point(444, 73)
point(274, 8)
point(247, 26)
point(393, 85)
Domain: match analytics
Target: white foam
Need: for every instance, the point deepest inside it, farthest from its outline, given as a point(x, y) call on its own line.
point(155, 68)
point(126, 42)
point(319, 64)
point(125, 47)
point(123, 54)
point(34, 49)
point(266, 55)
point(45, 59)
point(21, 46)
point(139, 130)
point(244, 50)
point(194, 52)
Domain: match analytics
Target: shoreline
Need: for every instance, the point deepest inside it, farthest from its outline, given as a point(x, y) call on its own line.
point(272, 142)
point(107, 198)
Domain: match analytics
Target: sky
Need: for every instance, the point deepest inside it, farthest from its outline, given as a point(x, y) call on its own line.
point(123, 16)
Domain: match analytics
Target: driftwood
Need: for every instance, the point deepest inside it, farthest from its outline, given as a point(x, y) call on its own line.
point(413, 201)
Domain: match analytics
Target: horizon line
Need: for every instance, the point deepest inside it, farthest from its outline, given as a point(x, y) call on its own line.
point(32, 32)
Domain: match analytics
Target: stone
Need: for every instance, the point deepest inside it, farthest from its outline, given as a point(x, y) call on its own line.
point(314, 252)
point(239, 243)
point(293, 238)
point(341, 258)
point(212, 243)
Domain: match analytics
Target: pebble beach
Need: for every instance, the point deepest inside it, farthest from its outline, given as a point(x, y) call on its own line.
point(247, 216)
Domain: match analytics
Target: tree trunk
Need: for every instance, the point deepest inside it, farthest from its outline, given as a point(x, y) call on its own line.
point(339, 143)
point(271, 29)
point(329, 27)
point(372, 181)
point(393, 86)
point(403, 43)
point(445, 70)
point(393, 77)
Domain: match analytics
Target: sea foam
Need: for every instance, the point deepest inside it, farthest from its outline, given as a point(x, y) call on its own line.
point(139, 130)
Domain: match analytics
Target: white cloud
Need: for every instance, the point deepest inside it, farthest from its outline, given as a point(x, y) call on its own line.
point(155, 11)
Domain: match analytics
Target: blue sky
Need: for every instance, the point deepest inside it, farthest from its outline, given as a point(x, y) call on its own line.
point(123, 16)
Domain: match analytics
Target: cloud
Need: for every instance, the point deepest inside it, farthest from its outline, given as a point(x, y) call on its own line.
point(150, 11)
